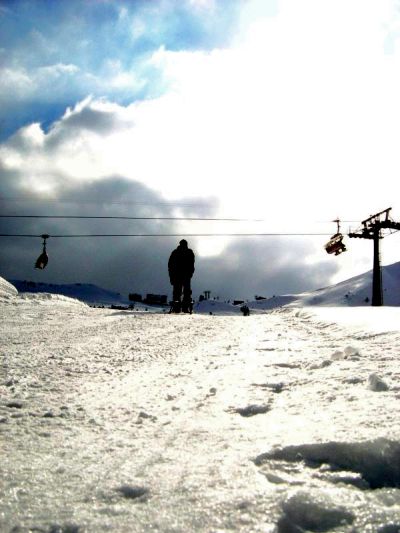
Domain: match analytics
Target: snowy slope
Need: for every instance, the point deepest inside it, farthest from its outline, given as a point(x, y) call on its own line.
point(353, 292)
point(7, 290)
point(285, 421)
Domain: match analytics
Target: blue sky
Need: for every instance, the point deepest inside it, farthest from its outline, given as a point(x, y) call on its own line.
point(54, 53)
point(282, 110)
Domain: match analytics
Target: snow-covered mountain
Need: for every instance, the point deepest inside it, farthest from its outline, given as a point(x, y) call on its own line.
point(356, 291)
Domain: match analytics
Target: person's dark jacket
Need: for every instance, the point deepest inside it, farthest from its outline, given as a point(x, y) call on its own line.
point(181, 264)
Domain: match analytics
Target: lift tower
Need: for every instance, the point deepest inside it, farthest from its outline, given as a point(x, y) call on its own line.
point(371, 228)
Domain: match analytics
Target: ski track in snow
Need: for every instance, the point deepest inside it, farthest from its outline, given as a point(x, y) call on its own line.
point(121, 421)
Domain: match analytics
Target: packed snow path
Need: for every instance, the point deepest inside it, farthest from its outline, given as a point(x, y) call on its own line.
point(116, 421)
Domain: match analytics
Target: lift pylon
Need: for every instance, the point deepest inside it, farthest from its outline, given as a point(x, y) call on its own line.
point(372, 228)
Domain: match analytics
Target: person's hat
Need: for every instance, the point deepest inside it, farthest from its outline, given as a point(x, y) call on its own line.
point(183, 242)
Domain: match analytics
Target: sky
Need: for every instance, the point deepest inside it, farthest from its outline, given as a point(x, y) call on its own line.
point(277, 110)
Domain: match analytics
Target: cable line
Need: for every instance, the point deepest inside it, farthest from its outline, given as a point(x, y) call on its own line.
point(174, 235)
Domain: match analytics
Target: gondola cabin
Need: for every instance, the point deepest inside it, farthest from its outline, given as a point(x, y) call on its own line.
point(335, 245)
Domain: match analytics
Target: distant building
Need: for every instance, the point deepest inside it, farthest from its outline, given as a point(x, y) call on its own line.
point(133, 297)
point(156, 299)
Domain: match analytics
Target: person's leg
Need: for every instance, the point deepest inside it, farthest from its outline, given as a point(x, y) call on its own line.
point(177, 292)
point(187, 296)
point(176, 296)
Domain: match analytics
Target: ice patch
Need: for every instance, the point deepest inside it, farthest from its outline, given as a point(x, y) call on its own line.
point(377, 461)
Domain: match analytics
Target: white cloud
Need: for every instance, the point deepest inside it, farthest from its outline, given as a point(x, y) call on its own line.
point(202, 4)
point(57, 70)
point(15, 82)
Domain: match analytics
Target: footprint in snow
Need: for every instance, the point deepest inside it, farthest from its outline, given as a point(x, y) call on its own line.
point(251, 410)
point(133, 492)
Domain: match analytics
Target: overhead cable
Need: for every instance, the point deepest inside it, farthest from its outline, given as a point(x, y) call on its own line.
point(174, 235)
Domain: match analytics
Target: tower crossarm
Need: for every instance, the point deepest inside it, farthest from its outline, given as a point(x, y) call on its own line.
point(361, 235)
point(390, 224)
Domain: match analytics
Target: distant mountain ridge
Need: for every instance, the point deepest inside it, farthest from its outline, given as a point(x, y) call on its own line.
point(86, 292)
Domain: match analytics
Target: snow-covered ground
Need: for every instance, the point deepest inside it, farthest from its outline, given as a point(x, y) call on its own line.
point(284, 421)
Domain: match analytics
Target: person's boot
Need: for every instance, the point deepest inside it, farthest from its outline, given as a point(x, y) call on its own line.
point(176, 307)
point(187, 307)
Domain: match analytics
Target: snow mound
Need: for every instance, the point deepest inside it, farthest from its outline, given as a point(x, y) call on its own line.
point(304, 511)
point(377, 461)
point(215, 307)
point(7, 290)
point(377, 384)
point(44, 298)
point(372, 319)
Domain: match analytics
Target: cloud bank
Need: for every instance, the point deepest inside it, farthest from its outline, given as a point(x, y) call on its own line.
point(67, 171)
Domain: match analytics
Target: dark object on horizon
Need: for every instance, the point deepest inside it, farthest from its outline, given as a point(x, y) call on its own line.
point(238, 302)
point(336, 245)
point(372, 229)
point(156, 299)
point(181, 269)
point(43, 259)
point(259, 297)
point(245, 310)
point(134, 297)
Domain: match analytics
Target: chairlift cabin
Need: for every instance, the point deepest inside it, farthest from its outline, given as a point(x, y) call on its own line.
point(43, 258)
point(335, 245)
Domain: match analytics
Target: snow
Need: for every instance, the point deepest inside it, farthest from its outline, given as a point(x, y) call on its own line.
point(86, 292)
point(7, 290)
point(281, 422)
point(354, 292)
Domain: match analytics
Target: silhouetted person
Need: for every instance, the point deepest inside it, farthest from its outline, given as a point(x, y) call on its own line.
point(181, 268)
point(245, 310)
